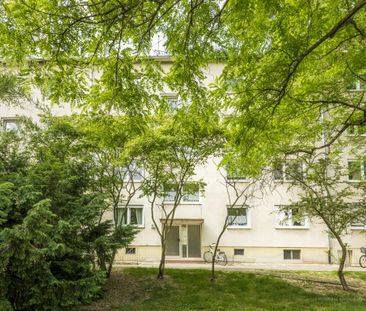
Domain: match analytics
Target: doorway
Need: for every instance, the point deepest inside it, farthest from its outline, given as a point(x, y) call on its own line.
point(194, 241)
point(172, 241)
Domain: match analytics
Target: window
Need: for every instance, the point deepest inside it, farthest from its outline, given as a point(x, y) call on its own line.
point(132, 215)
point(170, 193)
point(358, 226)
point(238, 251)
point(356, 170)
point(288, 170)
point(133, 173)
point(137, 174)
point(290, 217)
point(291, 254)
point(279, 173)
point(11, 124)
point(238, 216)
point(236, 174)
point(357, 85)
point(190, 193)
point(172, 101)
point(130, 250)
point(355, 130)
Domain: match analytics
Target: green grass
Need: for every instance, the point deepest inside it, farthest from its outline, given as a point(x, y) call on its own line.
point(138, 289)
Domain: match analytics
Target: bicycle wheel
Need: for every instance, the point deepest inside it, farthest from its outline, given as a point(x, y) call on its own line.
point(207, 256)
point(221, 259)
point(363, 261)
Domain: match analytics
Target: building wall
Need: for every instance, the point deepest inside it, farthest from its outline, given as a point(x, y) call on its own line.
point(262, 240)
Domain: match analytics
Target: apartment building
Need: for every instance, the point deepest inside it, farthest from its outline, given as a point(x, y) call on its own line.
point(258, 233)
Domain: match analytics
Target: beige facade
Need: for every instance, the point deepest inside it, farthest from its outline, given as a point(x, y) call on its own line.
point(259, 236)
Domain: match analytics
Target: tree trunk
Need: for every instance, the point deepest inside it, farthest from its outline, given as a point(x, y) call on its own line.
point(162, 261)
point(213, 277)
point(340, 272)
point(111, 263)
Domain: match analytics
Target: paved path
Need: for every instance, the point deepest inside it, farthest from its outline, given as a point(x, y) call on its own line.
point(246, 266)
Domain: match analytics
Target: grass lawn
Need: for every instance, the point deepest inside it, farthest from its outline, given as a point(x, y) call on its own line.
point(138, 289)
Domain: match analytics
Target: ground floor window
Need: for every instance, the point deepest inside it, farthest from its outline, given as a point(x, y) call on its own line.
point(291, 217)
point(358, 225)
point(291, 254)
point(130, 215)
point(238, 216)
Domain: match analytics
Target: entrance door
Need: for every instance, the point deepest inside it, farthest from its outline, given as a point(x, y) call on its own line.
point(194, 241)
point(172, 241)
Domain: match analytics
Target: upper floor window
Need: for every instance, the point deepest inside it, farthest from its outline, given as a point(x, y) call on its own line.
point(172, 101)
point(356, 170)
point(130, 215)
point(190, 193)
point(237, 216)
point(11, 124)
point(236, 174)
point(288, 170)
point(355, 130)
point(357, 85)
point(291, 217)
point(132, 173)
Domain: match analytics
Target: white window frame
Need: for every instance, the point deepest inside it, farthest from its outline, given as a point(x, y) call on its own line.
point(128, 250)
point(355, 127)
point(362, 170)
point(358, 87)
point(282, 223)
point(184, 201)
point(126, 177)
point(358, 226)
point(172, 96)
point(292, 254)
point(284, 166)
point(128, 216)
point(248, 216)
point(237, 178)
point(14, 120)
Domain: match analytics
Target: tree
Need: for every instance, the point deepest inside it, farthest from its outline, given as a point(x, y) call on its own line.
point(239, 193)
point(12, 88)
point(117, 173)
point(281, 59)
point(293, 62)
point(50, 225)
point(171, 151)
point(325, 194)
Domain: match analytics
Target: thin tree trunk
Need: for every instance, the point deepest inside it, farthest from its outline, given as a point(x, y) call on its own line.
point(213, 277)
point(111, 263)
point(162, 261)
point(340, 272)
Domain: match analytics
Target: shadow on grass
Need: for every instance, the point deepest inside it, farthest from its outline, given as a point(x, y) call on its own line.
point(137, 289)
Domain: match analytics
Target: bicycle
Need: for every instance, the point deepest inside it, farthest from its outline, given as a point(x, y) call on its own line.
point(363, 257)
point(220, 259)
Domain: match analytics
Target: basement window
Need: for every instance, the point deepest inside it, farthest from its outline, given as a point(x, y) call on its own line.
point(291, 254)
point(238, 251)
point(130, 250)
